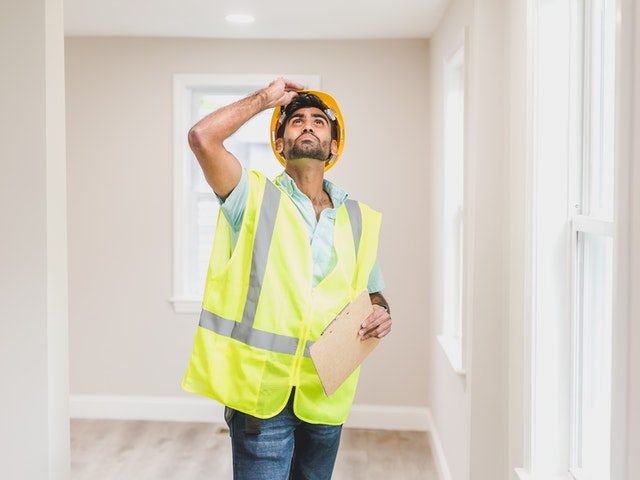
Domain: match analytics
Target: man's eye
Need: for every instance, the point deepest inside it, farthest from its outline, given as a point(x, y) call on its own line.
point(319, 122)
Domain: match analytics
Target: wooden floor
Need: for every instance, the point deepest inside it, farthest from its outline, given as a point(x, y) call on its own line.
point(142, 450)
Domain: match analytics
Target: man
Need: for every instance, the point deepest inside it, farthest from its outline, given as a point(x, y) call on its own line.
point(287, 257)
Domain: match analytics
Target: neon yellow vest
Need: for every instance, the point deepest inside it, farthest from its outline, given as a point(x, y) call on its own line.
point(260, 313)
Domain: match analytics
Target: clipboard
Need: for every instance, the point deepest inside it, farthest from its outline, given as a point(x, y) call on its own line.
point(339, 350)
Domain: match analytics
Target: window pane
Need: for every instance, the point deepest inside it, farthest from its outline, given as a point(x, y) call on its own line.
point(453, 193)
point(206, 214)
point(601, 93)
point(592, 402)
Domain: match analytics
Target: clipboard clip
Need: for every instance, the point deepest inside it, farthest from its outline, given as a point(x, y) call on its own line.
point(335, 318)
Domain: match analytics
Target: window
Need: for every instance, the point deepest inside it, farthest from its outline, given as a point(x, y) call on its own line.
point(592, 239)
point(454, 258)
point(574, 157)
point(195, 205)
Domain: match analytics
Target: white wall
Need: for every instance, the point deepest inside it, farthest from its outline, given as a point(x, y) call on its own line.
point(471, 412)
point(633, 446)
point(447, 393)
point(34, 420)
point(125, 338)
point(488, 350)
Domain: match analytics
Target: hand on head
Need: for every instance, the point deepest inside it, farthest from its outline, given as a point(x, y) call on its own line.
point(281, 91)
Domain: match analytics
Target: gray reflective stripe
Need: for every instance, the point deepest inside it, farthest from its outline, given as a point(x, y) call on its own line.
point(307, 347)
point(243, 331)
point(255, 338)
point(216, 323)
point(355, 217)
point(264, 232)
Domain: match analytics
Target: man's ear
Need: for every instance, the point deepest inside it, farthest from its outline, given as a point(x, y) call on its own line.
point(334, 147)
point(279, 145)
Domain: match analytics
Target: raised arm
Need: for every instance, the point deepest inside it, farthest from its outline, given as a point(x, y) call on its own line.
point(221, 169)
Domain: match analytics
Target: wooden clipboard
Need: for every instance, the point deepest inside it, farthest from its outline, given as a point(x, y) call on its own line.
point(339, 350)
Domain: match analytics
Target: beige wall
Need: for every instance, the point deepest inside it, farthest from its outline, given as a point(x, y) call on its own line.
point(520, 199)
point(34, 414)
point(488, 375)
point(125, 338)
point(447, 395)
point(471, 412)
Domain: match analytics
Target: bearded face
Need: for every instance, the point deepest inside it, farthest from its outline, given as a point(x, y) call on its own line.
point(307, 145)
point(307, 135)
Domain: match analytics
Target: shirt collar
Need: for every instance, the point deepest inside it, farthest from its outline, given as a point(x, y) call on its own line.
point(288, 184)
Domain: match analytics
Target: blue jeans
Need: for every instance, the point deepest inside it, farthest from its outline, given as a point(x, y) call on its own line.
point(282, 447)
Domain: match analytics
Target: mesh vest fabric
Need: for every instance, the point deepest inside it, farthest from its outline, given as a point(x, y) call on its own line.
point(260, 312)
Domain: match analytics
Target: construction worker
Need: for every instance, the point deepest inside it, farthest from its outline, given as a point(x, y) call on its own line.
point(288, 255)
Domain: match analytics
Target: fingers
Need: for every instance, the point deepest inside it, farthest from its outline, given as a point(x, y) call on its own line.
point(281, 91)
point(380, 331)
point(285, 85)
point(378, 324)
point(290, 91)
point(291, 85)
point(288, 96)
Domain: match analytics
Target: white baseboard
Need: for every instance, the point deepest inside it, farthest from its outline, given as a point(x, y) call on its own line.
point(436, 449)
point(176, 409)
point(200, 409)
point(385, 417)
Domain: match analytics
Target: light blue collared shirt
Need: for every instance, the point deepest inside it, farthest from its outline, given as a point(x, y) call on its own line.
point(320, 230)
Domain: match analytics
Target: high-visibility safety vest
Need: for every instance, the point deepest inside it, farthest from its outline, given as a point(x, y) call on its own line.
point(260, 312)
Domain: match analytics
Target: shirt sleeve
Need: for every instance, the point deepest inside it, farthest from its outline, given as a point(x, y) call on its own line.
point(233, 206)
point(376, 282)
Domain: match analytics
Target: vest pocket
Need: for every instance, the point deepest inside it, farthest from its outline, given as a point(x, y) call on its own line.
point(236, 373)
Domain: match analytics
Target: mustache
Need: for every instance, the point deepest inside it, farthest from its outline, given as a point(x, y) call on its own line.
point(307, 133)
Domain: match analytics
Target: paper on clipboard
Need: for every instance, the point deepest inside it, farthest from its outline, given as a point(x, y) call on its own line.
point(339, 351)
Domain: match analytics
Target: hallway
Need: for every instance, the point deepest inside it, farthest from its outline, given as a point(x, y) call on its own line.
point(498, 139)
point(128, 450)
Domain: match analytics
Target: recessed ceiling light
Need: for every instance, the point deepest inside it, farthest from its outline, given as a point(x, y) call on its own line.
point(239, 18)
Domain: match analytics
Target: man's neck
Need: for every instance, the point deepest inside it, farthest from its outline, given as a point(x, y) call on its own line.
point(308, 175)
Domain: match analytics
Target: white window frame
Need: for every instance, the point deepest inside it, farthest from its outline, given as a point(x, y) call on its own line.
point(618, 229)
point(454, 344)
point(183, 87)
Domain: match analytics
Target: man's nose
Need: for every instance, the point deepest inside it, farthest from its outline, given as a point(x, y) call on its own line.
point(307, 127)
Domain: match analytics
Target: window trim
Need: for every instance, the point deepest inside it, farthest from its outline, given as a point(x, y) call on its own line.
point(621, 237)
point(183, 85)
point(455, 347)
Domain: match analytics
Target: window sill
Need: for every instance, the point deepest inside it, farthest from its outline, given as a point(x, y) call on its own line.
point(186, 304)
point(453, 350)
point(523, 474)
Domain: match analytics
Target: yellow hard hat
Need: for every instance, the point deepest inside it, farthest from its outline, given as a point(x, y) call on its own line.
point(332, 111)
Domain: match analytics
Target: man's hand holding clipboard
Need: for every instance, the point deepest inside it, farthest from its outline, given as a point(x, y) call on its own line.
point(341, 349)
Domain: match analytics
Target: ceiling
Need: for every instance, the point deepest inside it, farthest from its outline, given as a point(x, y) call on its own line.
point(276, 19)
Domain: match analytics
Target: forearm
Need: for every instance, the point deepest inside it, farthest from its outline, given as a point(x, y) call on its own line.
point(216, 127)
point(221, 169)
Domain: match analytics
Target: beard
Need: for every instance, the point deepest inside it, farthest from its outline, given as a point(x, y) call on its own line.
point(317, 150)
